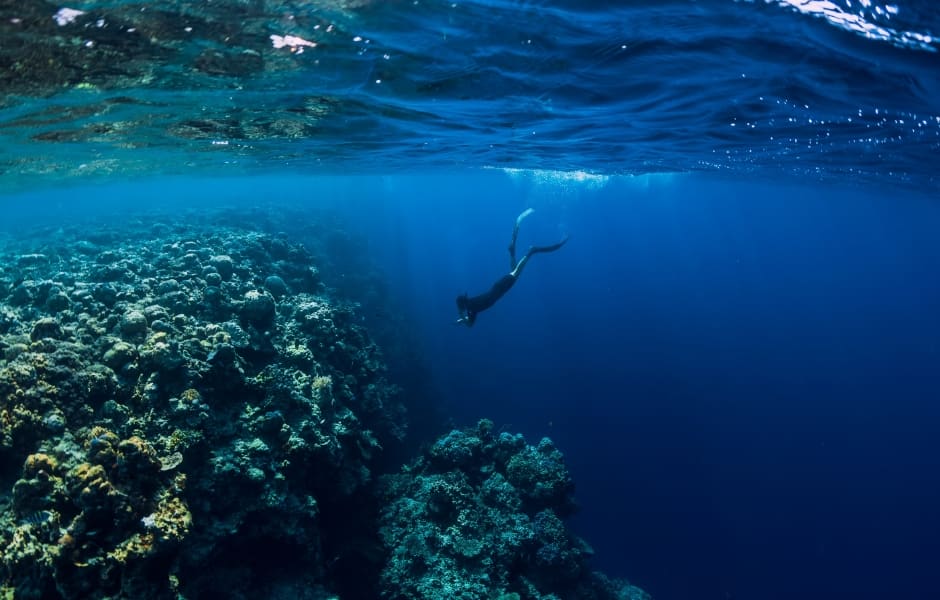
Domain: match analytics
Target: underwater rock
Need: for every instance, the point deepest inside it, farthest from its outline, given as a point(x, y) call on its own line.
point(258, 307)
point(168, 286)
point(472, 519)
point(133, 323)
point(31, 260)
point(540, 473)
point(40, 486)
point(21, 295)
point(119, 355)
point(46, 327)
point(57, 302)
point(276, 286)
point(171, 418)
point(155, 312)
point(223, 265)
point(105, 293)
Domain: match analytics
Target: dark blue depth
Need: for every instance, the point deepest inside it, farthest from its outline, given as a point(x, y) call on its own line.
point(744, 378)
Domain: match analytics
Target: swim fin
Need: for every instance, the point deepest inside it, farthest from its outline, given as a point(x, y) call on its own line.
point(552, 248)
point(524, 214)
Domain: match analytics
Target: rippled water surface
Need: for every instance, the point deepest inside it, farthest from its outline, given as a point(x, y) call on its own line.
point(825, 90)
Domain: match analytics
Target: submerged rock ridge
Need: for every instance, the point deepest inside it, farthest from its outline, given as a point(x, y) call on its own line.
point(480, 515)
point(178, 408)
point(191, 412)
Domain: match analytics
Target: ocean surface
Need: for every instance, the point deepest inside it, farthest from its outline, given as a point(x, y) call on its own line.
point(836, 91)
point(737, 350)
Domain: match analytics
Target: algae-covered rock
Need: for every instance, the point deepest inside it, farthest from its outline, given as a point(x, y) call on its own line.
point(58, 302)
point(223, 265)
point(133, 323)
point(258, 307)
point(46, 327)
point(119, 355)
point(480, 516)
point(275, 285)
point(172, 415)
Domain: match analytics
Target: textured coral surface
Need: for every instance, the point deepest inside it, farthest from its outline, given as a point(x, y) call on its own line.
point(479, 515)
point(174, 399)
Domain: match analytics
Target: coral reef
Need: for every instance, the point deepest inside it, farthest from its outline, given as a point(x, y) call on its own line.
point(173, 399)
point(480, 516)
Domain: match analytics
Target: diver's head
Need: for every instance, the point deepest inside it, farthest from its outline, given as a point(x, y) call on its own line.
point(463, 309)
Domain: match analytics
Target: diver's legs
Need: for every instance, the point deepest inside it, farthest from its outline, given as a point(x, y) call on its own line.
point(515, 234)
point(519, 265)
point(535, 250)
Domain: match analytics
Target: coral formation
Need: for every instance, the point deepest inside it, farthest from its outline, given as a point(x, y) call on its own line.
point(480, 516)
point(170, 398)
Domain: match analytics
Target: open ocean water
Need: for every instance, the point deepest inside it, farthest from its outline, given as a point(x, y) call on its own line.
point(231, 238)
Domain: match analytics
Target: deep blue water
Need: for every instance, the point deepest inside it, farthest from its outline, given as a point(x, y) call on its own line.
point(743, 376)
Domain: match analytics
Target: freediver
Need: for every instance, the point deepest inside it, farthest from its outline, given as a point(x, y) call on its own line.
point(468, 307)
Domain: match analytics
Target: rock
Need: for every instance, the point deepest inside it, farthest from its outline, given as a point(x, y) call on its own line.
point(31, 260)
point(155, 312)
point(276, 286)
point(105, 294)
point(14, 350)
point(133, 323)
point(46, 328)
point(58, 302)
point(162, 326)
point(190, 259)
point(119, 355)
point(168, 286)
point(180, 381)
point(85, 247)
point(21, 295)
point(258, 307)
point(224, 265)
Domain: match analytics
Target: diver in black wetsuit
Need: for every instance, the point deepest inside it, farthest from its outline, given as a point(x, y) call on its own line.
point(469, 307)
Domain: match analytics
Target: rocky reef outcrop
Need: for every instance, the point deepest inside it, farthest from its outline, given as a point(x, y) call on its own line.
point(480, 515)
point(178, 406)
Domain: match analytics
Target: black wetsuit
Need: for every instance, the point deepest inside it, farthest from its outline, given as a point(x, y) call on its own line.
point(475, 304)
point(469, 306)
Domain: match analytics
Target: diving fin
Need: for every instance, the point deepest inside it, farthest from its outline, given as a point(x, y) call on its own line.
point(524, 214)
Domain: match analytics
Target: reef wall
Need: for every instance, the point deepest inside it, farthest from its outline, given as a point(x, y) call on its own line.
point(174, 399)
